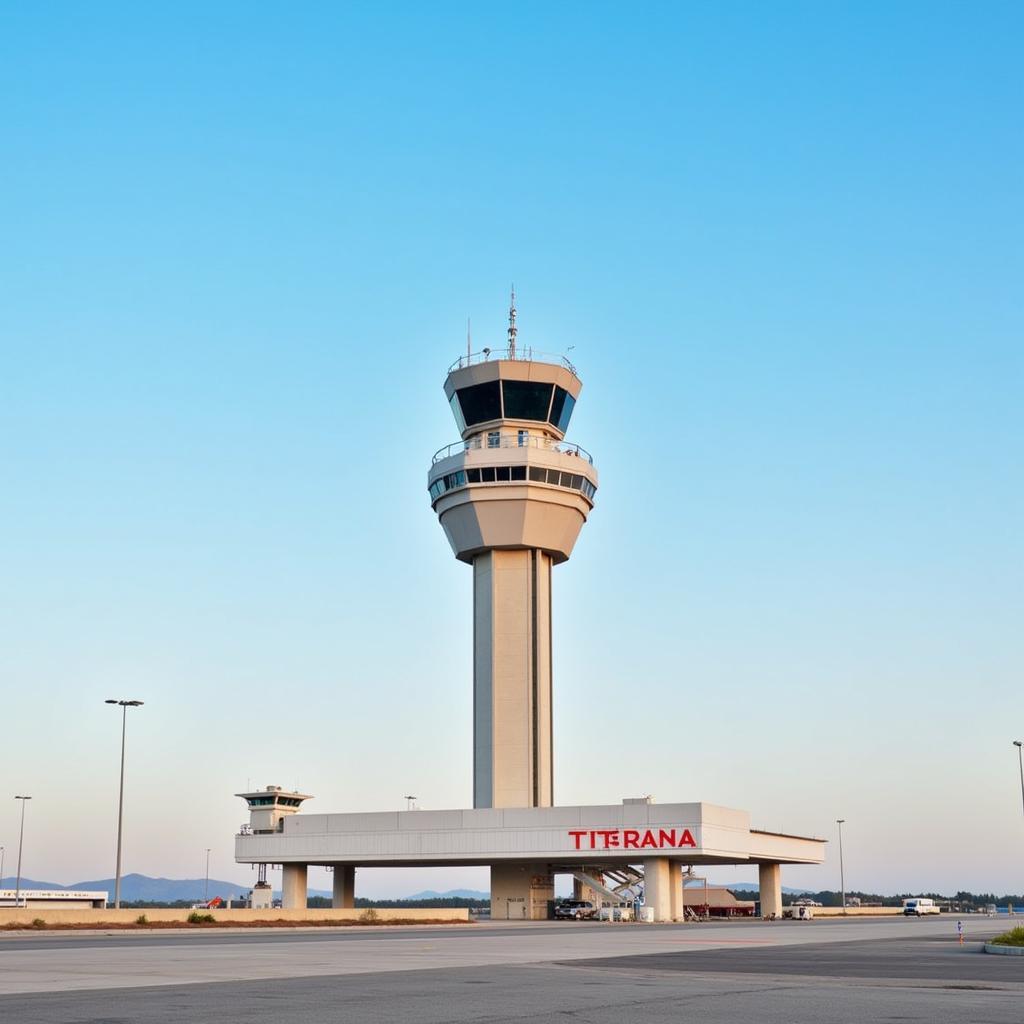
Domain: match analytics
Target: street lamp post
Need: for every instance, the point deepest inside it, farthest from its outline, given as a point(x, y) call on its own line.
point(206, 889)
point(1020, 764)
point(124, 705)
point(21, 840)
point(1, 865)
point(842, 877)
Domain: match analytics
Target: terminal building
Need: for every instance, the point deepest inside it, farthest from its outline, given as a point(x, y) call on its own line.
point(512, 496)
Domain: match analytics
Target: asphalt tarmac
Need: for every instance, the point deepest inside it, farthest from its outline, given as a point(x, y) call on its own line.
point(829, 971)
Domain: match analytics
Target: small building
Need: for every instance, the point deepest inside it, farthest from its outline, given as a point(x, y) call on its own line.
point(55, 899)
point(716, 901)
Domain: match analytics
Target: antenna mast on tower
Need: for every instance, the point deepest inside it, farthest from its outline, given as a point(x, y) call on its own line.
point(512, 325)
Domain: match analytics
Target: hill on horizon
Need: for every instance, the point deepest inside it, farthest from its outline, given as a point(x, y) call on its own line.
point(462, 894)
point(142, 887)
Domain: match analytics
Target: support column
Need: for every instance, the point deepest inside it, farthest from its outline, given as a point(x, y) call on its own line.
point(675, 886)
point(769, 880)
point(521, 892)
point(344, 894)
point(293, 886)
point(512, 755)
point(657, 894)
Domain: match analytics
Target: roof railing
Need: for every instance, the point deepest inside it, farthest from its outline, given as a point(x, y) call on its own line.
point(519, 355)
point(493, 441)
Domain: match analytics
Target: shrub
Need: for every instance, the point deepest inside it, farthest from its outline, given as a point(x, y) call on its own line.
point(38, 922)
point(369, 916)
point(1014, 937)
point(142, 919)
point(197, 918)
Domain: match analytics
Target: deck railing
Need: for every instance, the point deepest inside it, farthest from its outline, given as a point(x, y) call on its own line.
point(493, 442)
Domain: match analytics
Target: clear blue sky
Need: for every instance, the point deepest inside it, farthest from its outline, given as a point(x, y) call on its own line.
point(240, 244)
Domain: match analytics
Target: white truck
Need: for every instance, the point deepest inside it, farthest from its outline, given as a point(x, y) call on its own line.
point(918, 906)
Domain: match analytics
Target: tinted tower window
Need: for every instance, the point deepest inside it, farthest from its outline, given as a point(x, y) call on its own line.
point(525, 400)
point(481, 402)
point(561, 409)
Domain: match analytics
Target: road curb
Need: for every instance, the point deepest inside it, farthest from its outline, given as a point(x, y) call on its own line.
point(991, 947)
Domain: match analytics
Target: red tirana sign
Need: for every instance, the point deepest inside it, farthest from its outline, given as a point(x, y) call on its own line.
point(632, 838)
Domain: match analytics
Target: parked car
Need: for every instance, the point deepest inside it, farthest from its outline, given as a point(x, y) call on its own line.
point(576, 909)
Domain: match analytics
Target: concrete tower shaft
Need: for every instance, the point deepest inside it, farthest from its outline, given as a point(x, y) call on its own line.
point(512, 497)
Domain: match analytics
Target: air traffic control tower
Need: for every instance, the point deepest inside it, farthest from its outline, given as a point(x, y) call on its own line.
point(512, 496)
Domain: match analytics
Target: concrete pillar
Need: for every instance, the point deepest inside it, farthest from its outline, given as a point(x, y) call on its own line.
point(293, 886)
point(521, 892)
point(512, 741)
point(344, 894)
point(769, 879)
point(657, 893)
point(675, 887)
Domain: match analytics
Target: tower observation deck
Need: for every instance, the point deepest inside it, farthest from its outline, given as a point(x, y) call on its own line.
point(512, 496)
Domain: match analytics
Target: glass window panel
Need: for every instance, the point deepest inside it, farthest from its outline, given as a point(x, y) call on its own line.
point(503, 473)
point(526, 400)
point(518, 472)
point(480, 402)
point(538, 474)
point(494, 439)
point(561, 409)
point(460, 479)
point(576, 482)
point(460, 422)
point(524, 438)
point(473, 476)
point(553, 476)
point(487, 474)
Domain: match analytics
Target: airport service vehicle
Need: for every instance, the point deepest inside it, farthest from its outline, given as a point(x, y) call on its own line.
point(919, 906)
point(209, 904)
point(800, 911)
point(576, 909)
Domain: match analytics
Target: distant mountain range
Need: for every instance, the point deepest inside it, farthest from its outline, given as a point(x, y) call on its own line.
point(753, 887)
point(141, 887)
point(462, 894)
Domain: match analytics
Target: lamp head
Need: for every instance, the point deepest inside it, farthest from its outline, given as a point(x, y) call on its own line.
point(1018, 743)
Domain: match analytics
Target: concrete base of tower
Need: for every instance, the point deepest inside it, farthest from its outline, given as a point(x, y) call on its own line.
point(769, 878)
point(521, 892)
point(294, 883)
point(344, 890)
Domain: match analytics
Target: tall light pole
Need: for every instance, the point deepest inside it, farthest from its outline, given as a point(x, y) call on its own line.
point(1020, 764)
point(21, 839)
point(842, 878)
point(206, 889)
point(1, 865)
point(124, 705)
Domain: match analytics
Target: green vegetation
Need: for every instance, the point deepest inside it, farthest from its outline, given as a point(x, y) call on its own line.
point(369, 916)
point(142, 919)
point(960, 902)
point(196, 918)
point(1014, 937)
point(38, 922)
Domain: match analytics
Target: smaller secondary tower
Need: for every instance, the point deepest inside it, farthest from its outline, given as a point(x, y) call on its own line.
point(512, 496)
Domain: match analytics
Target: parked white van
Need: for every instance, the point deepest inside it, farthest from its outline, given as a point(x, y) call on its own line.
point(918, 906)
